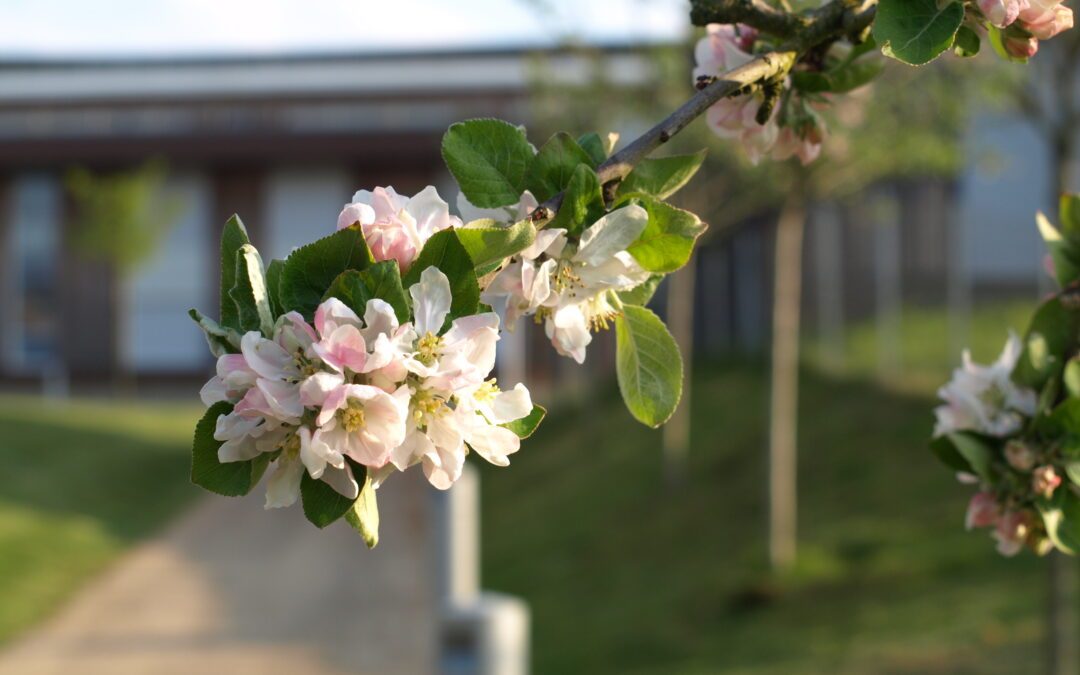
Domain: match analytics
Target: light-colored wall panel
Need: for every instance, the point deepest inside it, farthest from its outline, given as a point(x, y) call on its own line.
point(159, 335)
point(302, 205)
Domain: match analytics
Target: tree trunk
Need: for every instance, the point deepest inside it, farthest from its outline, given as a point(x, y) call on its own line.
point(123, 379)
point(680, 319)
point(783, 412)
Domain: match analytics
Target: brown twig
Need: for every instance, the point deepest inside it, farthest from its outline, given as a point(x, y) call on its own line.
point(838, 18)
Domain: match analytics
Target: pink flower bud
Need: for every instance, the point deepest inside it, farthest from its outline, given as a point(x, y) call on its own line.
point(745, 37)
point(1011, 532)
point(1037, 11)
point(1019, 456)
point(1049, 267)
point(1044, 481)
point(1021, 46)
point(983, 511)
point(1057, 20)
point(389, 240)
point(1001, 13)
point(804, 143)
point(355, 213)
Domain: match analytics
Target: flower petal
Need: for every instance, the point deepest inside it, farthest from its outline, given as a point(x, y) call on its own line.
point(511, 405)
point(342, 481)
point(611, 234)
point(431, 301)
point(283, 487)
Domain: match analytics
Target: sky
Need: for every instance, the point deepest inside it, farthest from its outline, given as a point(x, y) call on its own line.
point(102, 28)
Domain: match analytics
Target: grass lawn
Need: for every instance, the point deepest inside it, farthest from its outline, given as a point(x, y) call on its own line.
point(80, 482)
point(625, 576)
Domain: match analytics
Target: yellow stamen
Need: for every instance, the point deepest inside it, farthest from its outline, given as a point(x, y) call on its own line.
point(425, 404)
point(428, 348)
point(352, 417)
point(291, 447)
point(486, 392)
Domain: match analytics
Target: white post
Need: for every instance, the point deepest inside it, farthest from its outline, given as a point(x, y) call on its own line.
point(459, 545)
point(481, 633)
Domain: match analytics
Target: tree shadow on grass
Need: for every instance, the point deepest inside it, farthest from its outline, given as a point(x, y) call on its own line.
point(627, 576)
point(128, 484)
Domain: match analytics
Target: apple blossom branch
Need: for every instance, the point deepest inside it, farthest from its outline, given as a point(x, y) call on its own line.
point(804, 32)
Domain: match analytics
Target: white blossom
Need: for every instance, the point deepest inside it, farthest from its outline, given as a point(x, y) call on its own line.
point(984, 398)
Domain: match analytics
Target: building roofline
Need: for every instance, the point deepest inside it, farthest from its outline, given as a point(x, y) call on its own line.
point(122, 61)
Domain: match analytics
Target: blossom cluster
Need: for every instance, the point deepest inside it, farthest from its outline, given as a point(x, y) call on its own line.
point(1026, 22)
point(572, 287)
point(984, 400)
point(368, 391)
point(724, 48)
point(1020, 471)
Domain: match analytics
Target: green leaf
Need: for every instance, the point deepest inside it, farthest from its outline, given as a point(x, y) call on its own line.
point(1050, 336)
point(383, 281)
point(662, 177)
point(976, 454)
point(967, 42)
point(916, 31)
point(643, 293)
point(233, 236)
point(1072, 470)
point(583, 202)
point(364, 514)
point(592, 144)
point(322, 503)
point(250, 294)
point(1063, 251)
point(1061, 515)
point(232, 479)
point(668, 239)
point(273, 285)
point(351, 290)
point(1069, 213)
point(525, 426)
point(552, 168)
point(221, 340)
point(648, 365)
point(309, 270)
point(839, 81)
point(1071, 377)
point(1063, 421)
point(445, 251)
point(486, 243)
point(488, 158)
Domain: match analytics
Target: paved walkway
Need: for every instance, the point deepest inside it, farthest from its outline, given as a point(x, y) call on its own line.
point(233, 589)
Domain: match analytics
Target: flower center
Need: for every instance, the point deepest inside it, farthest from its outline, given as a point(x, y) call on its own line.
point(305, 366)
point(486, 392)
point(352, 417)
point(565, 279)
point(426, 404)
point(993, 397)
point(428, 348)
point(291, 447)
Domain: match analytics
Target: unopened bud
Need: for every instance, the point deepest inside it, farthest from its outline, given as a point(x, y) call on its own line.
point(1044, 481)
point(1051, 23)
point(1021, 46)
point(1019, 455)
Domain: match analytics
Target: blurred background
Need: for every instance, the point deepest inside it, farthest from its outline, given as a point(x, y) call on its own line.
point(789, 520)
